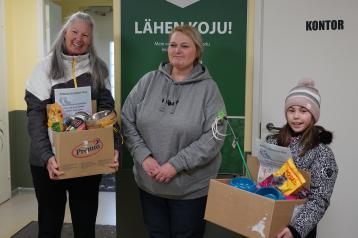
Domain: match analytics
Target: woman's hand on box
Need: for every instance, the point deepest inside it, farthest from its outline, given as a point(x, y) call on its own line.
point(52, 168)
point(285, 233)
point(115, 164)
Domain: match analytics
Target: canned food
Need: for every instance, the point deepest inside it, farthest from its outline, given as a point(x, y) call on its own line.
point(102, 119)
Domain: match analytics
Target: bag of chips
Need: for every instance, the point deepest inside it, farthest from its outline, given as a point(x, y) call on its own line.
point(55, 117)
point(287, 179)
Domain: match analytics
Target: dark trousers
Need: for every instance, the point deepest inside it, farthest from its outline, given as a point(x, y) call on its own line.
point(52, 197)
point(170, 218)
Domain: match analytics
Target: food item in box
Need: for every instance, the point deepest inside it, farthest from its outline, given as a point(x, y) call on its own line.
point(293, 178)
point(55, 117)
point(287, 179)
point(102, 119)
point(77, 124)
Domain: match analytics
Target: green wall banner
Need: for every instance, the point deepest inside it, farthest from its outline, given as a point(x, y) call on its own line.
point(145, 26)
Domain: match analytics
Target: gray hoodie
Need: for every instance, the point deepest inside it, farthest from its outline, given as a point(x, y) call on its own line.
point(172, 122)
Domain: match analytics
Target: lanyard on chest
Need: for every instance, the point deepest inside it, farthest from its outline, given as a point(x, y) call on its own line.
point(74, 71)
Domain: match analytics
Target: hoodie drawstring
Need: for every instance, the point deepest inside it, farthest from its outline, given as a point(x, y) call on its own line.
point(168, 98)
point(165, 92)
point(176, 95)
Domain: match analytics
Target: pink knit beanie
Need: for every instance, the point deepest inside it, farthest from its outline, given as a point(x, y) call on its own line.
point(305, 95)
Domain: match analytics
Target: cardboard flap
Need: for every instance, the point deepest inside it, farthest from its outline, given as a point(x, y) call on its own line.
point(282, 214)
point(307, 176)
point(253, 164)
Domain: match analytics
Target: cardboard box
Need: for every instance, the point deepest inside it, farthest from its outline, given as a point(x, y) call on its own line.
point(246, 213)
point(83, 153)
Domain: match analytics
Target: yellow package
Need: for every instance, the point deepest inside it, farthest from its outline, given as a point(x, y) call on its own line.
point(293, 179)
point(55, 117)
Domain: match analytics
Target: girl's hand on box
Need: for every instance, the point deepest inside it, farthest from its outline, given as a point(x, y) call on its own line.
point(285, 233)
point(115, 164)
point(52, 168)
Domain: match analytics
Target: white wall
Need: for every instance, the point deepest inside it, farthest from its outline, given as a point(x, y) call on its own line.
point(55, 25)
point(284, 53)
point(103, 34)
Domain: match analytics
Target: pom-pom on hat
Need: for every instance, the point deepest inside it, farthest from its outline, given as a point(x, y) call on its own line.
point(305, 95)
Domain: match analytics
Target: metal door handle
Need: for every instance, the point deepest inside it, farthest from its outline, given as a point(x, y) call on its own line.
point(1, 139)
point(271, 127)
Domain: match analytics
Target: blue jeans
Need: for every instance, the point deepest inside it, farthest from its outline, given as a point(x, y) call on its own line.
point(171, 218)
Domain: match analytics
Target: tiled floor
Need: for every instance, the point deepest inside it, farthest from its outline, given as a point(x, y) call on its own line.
point(22, 208)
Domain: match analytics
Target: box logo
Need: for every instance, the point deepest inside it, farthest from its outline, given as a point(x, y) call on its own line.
point(87, 148)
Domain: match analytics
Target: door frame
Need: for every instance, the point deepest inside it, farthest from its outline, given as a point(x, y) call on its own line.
point(257, 75)
point(5, 183)
point(43, 27)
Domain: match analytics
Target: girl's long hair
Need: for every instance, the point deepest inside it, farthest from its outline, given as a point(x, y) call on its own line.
point(310, 136)
point(99, 70)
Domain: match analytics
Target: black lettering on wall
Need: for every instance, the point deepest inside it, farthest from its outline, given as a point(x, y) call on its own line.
point(324, 25)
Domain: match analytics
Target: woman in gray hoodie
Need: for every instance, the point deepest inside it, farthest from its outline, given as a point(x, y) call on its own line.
point(167, 120)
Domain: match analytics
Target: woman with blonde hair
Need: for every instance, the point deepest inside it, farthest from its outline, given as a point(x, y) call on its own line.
point(167, 120)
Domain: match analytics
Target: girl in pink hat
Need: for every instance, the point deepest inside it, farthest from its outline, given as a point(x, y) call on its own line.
point(308, 143)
